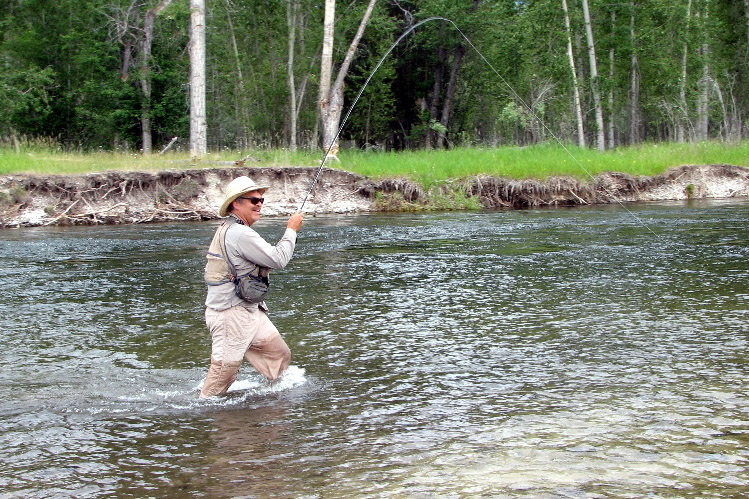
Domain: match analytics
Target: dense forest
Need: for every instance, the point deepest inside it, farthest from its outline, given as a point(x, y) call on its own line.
point(115, 74)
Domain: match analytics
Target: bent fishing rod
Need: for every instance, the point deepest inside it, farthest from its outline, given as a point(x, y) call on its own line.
point(502, 79)
point(358, 95)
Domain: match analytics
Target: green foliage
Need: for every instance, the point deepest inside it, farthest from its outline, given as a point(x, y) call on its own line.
point(61, 71)
point(370, 121)
point(24, 98)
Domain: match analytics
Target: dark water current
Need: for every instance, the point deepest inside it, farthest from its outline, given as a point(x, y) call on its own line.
point(544, 353)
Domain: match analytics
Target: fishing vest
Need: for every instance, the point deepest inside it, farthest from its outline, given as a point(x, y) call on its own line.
point(218, 269)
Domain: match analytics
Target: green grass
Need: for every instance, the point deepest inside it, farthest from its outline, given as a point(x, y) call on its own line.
point(45, 161)
point(540, 162)
point(425, 167)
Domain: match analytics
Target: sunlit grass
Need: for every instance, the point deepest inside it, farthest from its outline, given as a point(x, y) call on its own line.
point(540, 162)
point(425, 167)
point(50, 162)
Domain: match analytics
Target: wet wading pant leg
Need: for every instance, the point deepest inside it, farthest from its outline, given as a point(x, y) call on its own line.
point(268, 352)
point(239, 333)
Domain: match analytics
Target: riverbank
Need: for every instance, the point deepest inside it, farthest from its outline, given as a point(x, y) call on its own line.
point(121, 197)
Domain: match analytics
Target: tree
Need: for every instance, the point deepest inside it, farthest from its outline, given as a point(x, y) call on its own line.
point(704, 84)
point(634, 87)
point(746, 14)
point(145, 72)
point(125, 24)
point(241, 111)
point(331, 97)
point(24, 97)
point(594, 82)
point(683, 112)
point(198, 125)
point(611, 138)
point(575, 86)
point(292, 12)
point(100, 73)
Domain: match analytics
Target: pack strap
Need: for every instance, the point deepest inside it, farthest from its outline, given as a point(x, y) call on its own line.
point(222, 246)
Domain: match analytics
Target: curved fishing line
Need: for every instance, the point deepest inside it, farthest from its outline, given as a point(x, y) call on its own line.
point(358, 95)
point(514, 93)
point(530, 110)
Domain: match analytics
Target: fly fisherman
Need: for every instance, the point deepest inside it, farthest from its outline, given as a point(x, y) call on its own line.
point(239, 261)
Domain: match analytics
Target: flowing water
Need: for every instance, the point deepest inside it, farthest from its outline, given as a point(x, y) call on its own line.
point(540, 353)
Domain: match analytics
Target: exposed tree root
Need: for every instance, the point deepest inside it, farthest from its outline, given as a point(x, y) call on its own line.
point(196, 194)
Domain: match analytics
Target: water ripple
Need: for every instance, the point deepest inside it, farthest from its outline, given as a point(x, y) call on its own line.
point(543, 353)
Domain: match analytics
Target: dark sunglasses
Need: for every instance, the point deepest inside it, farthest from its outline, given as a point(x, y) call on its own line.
point(253, 199)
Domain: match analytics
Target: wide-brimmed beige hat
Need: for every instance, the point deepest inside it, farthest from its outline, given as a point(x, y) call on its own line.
point(237, 187)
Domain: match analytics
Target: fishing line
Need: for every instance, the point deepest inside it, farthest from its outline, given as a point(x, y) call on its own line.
point(358, 95)
point(514, 93)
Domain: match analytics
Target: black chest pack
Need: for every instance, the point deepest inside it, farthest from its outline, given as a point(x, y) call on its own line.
point(251, 287)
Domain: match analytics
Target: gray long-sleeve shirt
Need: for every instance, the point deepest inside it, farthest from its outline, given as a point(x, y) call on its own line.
point(245, 249)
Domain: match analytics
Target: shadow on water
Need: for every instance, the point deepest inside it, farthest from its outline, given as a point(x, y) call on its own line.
point(556, 352)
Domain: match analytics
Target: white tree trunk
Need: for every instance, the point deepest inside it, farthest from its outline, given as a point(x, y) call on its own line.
point(241, 109)
point(600, 140)
point(292, 10)
point(611, 130)
point(683, 115)
point(727, 132)
point(703, 97)
point(746, 13)
point(634, 84)
point(447, 107)
point(331, 105)
point(326, 63)
point(575, 86)
point(145, 74)
point(198, 126)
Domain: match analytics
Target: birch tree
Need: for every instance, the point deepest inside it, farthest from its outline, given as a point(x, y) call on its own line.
point(447, 106)
point(612, 59)
point(145, 73)
point(746, 13)
point(241, 108)
point(634, 83)
point(292, 12)
point(594, 82)
point(703, 97)
point(575, 85)
point(127, 31)
point(681, 122)
point(331, 96)
point(198, 125)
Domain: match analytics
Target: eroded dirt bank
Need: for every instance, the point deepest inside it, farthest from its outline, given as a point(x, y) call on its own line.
point(195, 194)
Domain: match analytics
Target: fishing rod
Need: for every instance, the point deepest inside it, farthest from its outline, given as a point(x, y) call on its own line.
point(358, 95)
point(510, 87)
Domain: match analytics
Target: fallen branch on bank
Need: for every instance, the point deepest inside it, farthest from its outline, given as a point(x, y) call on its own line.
point(64, 213)
point(96, 212)
point(174, 139)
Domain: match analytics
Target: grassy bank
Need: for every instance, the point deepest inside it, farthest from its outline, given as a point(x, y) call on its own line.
point(425, 167)
point(540, 162)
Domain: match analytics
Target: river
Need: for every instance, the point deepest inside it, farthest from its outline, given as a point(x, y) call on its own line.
point(596, 351)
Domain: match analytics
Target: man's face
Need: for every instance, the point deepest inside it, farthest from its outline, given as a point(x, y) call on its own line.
point(245, 209)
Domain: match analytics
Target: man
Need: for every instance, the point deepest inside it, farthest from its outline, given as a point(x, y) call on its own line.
point(239, 329)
